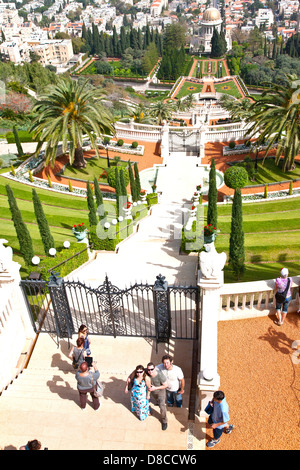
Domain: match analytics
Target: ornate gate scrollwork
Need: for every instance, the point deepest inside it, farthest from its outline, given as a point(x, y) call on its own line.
point(110, 305)
point(162, 310)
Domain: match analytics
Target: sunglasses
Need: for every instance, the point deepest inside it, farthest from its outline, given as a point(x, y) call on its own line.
point(150, 369)
point(139, 371)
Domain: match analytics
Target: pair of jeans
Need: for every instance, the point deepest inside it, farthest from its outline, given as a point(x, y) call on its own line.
point(83, 398)
point(217, 431)
point(174, 397)
point(285, 305)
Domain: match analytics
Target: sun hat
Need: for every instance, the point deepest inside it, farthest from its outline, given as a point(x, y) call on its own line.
point(284, 272)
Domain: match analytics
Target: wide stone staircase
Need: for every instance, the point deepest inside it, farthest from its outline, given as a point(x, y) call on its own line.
point(43, 402)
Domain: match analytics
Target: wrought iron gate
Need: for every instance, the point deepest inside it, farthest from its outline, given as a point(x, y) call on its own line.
point(156, 311)
point(185, 141)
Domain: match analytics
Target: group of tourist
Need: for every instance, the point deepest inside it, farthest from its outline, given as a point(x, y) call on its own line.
point(165, 383)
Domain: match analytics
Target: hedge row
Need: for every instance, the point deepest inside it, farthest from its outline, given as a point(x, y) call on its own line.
point(74, 263)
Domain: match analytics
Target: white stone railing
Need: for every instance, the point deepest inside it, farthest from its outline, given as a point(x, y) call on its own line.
point(225, 135)
point(138, 132)
point(252, 299)
point(16, 331)
point(231, 126)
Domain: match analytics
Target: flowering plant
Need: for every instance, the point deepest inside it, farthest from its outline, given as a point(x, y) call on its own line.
point(198, 187)
point(127, 205)
point(79, 228)
point(142, 192)
point(193, 207)
point(209, 230)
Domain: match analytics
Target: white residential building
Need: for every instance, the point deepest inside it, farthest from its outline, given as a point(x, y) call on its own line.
point(53, 52)
point(265, 16)
point(14, 51)
point(10, 16)
point(157, 7)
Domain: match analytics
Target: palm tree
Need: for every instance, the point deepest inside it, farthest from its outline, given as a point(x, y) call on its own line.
point(184, 104)
point(65, 113)
point(275, 116)
point(238, 110)
point(162, 111)
point(141, 115)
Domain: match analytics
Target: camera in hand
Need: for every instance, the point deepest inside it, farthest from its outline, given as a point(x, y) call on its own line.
point(89, 361)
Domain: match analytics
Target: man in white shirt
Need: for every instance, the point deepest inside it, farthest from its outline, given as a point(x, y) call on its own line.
point(175, 379)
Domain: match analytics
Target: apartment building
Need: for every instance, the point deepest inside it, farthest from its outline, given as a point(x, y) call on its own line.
point(157, 7)
point(53, 52)
point(265, 16)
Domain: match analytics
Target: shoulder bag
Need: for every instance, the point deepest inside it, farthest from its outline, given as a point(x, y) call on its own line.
point(98, 387)
point(281, 296)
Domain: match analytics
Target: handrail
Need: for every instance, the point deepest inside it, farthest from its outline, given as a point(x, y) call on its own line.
point(68, 259)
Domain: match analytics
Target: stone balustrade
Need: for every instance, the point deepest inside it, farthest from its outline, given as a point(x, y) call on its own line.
point(252, 299)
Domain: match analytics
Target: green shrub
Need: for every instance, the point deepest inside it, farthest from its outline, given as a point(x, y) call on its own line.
point(231, 145)
point(134, 145)
point(236, 177)
point(66, 268)
point(120, 142)
point(111, 176)
point(24, 136)
point(152, 199)
point(106, 140)
point(108, 239)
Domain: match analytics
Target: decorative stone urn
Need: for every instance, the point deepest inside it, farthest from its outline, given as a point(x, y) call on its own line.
point(80, 235)
point(209, 238)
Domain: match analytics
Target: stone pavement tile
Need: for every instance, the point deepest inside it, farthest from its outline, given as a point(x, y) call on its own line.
point(126, 445)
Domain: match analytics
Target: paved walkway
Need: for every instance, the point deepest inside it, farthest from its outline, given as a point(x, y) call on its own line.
point(155, 248)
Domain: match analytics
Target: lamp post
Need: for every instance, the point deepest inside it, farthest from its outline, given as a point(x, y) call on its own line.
point(107, 157)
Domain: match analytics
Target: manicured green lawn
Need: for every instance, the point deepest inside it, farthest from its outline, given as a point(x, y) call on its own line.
point(62, 212)
point(272, 238)
point(95, 167)
point(268, 172)
point(229, 88)
point(188, 88)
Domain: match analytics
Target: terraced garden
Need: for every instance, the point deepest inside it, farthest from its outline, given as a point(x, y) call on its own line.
point(272, 237)
point(62, 212)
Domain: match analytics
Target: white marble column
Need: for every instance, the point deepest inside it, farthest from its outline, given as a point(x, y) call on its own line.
point(210, 281)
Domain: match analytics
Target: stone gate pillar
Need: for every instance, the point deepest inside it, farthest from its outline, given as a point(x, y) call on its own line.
point(210, 281)
point(164, 146)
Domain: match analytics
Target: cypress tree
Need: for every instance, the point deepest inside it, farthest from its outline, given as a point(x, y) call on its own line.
point(99, 199)
point(212, 215)
point(236, 244)
point(22, 231)
point(132, 183)
point(122, 183)
point(137, 179)
point(45, 233)
point(91, 205)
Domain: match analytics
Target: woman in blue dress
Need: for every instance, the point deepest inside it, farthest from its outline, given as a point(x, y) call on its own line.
point(139, 383)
